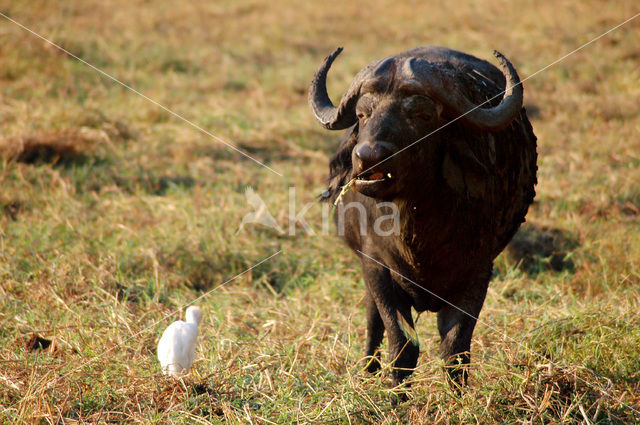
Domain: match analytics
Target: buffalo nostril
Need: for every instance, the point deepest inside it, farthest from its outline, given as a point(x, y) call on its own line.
point(372, 154)
point(364, 152)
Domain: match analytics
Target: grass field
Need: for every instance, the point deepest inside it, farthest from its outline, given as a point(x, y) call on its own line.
point(114, 214)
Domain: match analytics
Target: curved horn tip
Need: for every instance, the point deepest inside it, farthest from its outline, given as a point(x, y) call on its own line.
point(325, 112)
point(507, 66)
point(334, 55)
point(501, 58)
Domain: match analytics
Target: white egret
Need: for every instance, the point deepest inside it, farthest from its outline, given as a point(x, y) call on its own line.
point(177, 345)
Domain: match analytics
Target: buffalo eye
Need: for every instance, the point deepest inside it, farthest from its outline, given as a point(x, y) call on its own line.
point(419, 107)
point(364, 107)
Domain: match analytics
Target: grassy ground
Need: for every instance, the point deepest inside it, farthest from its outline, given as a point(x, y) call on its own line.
point(113, 214)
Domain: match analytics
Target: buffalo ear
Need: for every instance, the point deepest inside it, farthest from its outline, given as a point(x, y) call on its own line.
point(340, 166)
point(463, 171)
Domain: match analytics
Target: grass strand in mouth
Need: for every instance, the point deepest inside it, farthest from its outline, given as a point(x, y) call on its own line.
point(343, 191)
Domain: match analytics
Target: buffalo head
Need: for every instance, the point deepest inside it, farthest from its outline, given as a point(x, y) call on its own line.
point(393, 103)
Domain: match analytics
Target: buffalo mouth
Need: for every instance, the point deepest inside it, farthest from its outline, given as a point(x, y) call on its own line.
point(370, 182)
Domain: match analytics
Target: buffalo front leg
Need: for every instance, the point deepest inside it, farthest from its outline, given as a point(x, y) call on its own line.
point(392, 309)
point(375, 333)
point(456, 326)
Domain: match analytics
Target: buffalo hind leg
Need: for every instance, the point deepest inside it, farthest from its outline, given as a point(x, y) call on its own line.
point(456, 329)
point(375, 333)
point(403, 351)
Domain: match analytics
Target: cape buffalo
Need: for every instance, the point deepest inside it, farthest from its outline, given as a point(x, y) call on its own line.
point(461, 191)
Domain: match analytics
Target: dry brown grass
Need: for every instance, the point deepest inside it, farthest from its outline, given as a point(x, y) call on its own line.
point(61, 147)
